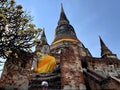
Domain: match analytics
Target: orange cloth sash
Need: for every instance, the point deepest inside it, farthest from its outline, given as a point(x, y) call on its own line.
point(46, 64)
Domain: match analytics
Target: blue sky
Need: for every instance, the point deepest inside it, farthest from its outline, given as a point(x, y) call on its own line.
point(90, 18)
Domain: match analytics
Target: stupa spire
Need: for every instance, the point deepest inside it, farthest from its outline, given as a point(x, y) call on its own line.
point(105, 52)
point(43, 38)
point(63, 19)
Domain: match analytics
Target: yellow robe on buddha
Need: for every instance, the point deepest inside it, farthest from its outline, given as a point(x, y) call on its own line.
point(46, 64)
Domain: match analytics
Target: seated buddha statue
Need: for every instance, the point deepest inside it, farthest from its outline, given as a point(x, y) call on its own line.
point(45, 63)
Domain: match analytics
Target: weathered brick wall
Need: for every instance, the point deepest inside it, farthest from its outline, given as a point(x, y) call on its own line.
point(16, 74)
point(71, 69)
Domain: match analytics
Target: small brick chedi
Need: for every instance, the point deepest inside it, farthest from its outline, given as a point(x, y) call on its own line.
point(67, 64)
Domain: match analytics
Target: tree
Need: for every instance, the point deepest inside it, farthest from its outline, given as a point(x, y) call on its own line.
point(17, 36)
point(16, 32)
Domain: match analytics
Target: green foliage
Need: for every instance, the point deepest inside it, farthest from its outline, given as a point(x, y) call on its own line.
point(16, 31)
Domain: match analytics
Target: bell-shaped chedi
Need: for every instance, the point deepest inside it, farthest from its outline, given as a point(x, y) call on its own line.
point(64, 31)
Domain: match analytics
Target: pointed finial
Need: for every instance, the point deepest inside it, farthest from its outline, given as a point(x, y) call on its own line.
point(62, 10)
point(43, 33)
point(101, 42)
point(63, 19)
point(99, 36)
